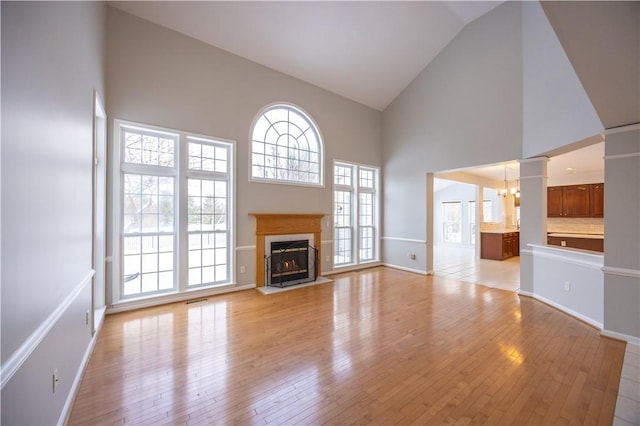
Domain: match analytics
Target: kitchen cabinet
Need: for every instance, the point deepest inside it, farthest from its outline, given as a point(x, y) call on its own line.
point(555, 199)
point(499, 245)
point(597, 200)
point(575, 201)
point(578, 241)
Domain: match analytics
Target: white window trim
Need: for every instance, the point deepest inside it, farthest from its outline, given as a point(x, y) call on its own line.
point(321, 161)
point(355, 190)
point(181, 172)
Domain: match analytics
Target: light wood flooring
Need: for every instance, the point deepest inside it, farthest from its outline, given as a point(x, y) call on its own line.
point(380, 346)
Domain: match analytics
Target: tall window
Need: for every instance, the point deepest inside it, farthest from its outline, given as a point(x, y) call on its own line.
point(471, 212)
point(355, 213)
point(174, 188)
point(452, 221)
point(286, 147)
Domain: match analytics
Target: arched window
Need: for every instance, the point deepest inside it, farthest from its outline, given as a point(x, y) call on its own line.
point(286, 147)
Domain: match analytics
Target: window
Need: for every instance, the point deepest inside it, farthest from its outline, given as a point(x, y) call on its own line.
point(452, 221)
point(471, 212)
point(355, 213)
point(487, 211)
point(286, 147)
point(173, 187)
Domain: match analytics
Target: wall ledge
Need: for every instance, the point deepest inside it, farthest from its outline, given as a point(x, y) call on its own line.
point(574, 256)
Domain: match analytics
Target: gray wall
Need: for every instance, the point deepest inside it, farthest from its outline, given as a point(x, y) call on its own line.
point(602, 41)
point(622, 233)
point(549, 80)
point(52, 60)
point(160, 77)
point(463, 110)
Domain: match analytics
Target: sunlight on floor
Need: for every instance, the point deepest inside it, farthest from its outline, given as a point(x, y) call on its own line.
point(460, 263)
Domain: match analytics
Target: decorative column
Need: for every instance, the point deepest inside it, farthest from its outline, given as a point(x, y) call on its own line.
point(429, 218)
point(533, 216)
point(622, 233)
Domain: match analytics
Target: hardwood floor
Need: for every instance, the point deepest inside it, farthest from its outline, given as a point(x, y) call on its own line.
point(380, 346)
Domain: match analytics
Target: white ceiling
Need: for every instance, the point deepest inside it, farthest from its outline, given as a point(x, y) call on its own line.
point(367, 51)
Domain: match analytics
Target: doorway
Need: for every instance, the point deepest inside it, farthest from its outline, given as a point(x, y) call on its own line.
point(466, 203)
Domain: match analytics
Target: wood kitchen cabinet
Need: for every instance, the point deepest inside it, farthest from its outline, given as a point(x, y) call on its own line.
point(499, 246)
point(575, 201)
point(555, 200)
point(593, 244)
point(597, 200)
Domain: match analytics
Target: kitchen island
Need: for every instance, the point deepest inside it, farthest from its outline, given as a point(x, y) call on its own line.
point(499, 244)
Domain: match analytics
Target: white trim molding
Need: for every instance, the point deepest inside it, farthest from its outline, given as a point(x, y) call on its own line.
point(175, 297)
point(15, 361)
point(351, 268)
point(621, 129)
point(569, 311)
point(567, 255)
point(619, 336)
point(533, 159)
point(620, 156)
point(623, 272)
point(405, 240)
point(402, 268)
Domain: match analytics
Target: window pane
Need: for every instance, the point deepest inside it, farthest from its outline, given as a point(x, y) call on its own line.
point(207, 156)
point(342, 238)
point(452, 222)
point(148, 147)
point(285, 147)
point(342, 175)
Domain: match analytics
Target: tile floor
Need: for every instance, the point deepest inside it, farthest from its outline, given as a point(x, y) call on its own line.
point(460, 263)
point(628, 403)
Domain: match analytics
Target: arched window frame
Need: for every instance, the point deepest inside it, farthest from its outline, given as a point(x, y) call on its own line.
point(258, 148)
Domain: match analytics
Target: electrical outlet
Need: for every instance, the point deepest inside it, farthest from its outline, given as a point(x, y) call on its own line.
point(55, 380)
point(567, 286)
point(563, 243)
point(243, 269)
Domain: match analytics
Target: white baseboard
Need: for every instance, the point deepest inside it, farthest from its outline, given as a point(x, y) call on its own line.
point(403, 268)
point(619, 336)
point(174, 297)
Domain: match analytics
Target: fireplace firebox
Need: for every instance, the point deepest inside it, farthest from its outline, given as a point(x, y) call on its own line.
point(290, 263)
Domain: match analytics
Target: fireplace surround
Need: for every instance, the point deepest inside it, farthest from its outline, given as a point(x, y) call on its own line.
point(276, 226)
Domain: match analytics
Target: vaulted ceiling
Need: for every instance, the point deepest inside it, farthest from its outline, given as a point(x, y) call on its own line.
point(367, 51)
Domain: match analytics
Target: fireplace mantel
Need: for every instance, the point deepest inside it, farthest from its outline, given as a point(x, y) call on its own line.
point(284, 224)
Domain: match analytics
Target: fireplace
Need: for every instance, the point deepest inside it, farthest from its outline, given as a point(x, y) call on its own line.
point(290, 262)
point(278, 227)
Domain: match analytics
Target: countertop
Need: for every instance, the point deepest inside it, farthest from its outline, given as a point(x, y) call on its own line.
point(500, 231)
point(576, 235)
